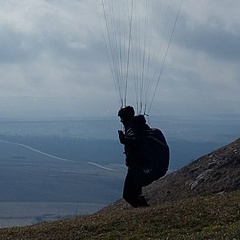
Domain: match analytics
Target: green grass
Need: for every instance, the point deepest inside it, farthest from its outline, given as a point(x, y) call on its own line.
point(216, 217)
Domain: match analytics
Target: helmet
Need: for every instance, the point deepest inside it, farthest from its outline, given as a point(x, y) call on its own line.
point(126, 113)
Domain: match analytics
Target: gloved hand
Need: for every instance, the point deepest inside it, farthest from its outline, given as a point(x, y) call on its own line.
point(121, 136)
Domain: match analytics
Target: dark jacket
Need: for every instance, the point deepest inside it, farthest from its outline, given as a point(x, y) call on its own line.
point(133, 137)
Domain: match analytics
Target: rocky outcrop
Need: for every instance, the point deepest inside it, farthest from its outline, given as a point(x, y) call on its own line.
point(214, 173)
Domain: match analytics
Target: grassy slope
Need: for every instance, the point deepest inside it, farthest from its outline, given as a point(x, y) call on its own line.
point(216, 217)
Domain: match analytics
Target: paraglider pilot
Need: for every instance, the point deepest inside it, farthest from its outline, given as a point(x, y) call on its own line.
point(134, 126)
point(143, 163)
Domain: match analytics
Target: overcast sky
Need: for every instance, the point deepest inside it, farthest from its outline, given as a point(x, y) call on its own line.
point(53, 62)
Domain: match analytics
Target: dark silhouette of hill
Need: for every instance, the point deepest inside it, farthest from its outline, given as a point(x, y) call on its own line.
point(200, 201)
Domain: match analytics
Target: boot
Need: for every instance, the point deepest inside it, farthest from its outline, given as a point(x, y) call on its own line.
point(142, 202)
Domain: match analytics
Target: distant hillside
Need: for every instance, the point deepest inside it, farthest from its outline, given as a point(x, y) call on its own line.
point(200, 201)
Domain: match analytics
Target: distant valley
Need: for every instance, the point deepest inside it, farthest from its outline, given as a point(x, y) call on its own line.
point(51, 170)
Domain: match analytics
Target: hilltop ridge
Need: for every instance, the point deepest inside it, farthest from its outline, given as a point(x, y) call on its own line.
point(216, 172)
point(213, 173)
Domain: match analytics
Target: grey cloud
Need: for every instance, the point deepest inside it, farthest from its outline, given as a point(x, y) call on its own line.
point(217, 42)
point(11, 47)
point(58, 52)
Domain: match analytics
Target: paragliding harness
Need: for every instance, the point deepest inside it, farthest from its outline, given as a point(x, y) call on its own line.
point(155, 150)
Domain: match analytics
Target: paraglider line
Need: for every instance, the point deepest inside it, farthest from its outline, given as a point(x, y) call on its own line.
point(165, 56)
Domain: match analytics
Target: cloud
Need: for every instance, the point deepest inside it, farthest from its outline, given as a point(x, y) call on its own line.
point(216, 13)
point(53, 59)
point(46, 43)
point(202, 70)
point(214, 41)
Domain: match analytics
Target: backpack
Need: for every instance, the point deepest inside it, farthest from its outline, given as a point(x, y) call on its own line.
point(156, 151)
